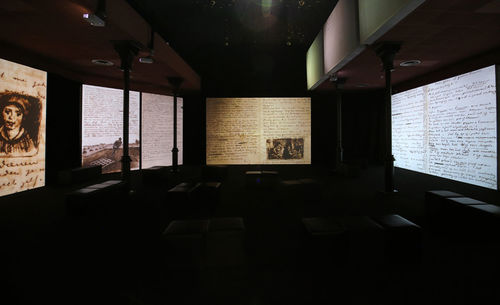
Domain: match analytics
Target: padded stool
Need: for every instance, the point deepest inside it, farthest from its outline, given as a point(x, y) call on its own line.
point(225, 242)
point(485, 221)
point(327, 241)
point(181, 199)
point(154, 176)
point(366, 241)
point(434, 202)
point(457, 213)
point(403, 239)
point(318, 227)
point(261, 179)
point(109, 183)
point(207, 195)
point(270, 178)
point(185, 240)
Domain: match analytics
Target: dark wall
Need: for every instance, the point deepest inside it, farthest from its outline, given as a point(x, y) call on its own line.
point(246, 71)
point(63, 126)
point(363, 125)
point(250, 71)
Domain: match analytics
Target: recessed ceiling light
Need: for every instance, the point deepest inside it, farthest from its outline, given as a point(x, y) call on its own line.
point(410, 63)
point(102, 62)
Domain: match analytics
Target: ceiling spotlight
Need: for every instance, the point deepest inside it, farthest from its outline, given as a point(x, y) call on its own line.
point(102, 62)
point(410, 63)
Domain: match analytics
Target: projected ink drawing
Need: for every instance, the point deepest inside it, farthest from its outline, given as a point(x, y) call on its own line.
point(273, 130)
point(19, 124)
point(285, 149)
point(22, 127)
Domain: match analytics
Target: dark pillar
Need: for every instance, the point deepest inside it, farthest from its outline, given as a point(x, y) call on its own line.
point(386, 51)
point(127, 51)
point(176, 83)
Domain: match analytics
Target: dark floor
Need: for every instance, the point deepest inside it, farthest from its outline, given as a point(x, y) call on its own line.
point(122, 259)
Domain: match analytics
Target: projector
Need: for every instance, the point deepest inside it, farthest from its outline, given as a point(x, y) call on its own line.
point(94, 19)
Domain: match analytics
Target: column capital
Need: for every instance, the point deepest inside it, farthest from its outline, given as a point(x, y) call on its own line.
point(387, 51)
point(127, 49)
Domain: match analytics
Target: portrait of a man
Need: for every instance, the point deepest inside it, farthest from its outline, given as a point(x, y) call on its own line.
point(19, 124)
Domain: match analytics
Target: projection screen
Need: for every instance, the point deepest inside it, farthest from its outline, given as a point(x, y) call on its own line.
point(258, 131)
point(158, 129)
point(102, 128)
point(22, 127)
point(449, 128)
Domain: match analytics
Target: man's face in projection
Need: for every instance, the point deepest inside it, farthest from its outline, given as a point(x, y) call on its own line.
point(12, 116)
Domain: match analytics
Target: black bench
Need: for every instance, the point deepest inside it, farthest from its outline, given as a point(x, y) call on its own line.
point(434, 208)
point(403, 239)
point(356, 239)
point(155, 176)
point(194, 243)
point(261, 179)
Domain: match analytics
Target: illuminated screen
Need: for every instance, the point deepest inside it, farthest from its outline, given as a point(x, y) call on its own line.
point(314, 62)
point(22, 127)
point(102, 128)
point(158, 129)
point(449, 128)
point(258, 131)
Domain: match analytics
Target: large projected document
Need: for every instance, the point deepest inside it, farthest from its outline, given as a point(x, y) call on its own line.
point(102, 128)
point(158, 129)
point(258, 131)
point(449, 128)
point(22, 127)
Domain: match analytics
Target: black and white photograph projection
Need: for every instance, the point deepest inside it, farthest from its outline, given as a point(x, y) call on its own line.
point(102, 128)
point(449, 128)
point(258, 131)
point(22, 127)
point(158, 129)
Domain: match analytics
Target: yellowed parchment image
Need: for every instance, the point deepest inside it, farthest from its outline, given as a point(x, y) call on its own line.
point(102, 128)
point(258, 131)
point(22, 127)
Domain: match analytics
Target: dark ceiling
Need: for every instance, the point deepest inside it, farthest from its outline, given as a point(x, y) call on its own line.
point(194, 27)
point(236, 47)
point(241, 43)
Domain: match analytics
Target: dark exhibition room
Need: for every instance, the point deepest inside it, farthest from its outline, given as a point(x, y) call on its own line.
point(252, 152)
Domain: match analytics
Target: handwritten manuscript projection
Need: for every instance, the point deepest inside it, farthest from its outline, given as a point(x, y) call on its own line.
point(158, 129)
point(22, 127)
point(258, 131)
point(102, 128)
point(449, 128)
